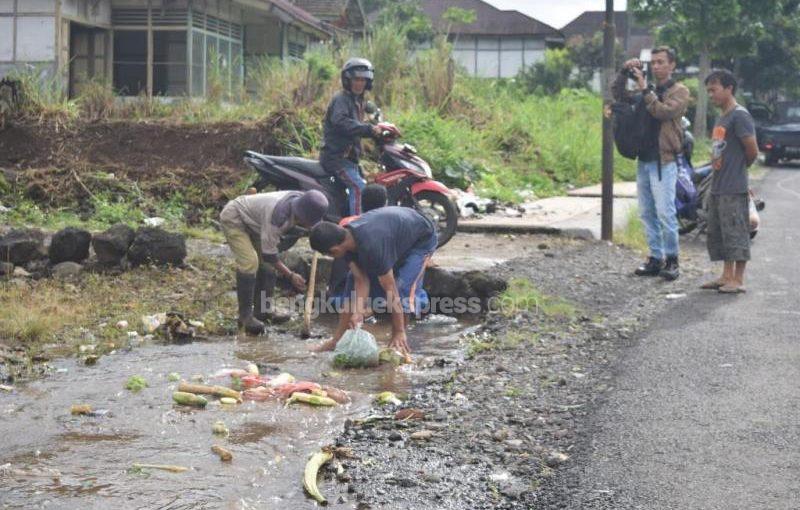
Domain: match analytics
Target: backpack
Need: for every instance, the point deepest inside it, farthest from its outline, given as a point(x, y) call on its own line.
point(629, 117)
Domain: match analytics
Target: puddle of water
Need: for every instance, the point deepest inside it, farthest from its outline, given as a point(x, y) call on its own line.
point(63, 461)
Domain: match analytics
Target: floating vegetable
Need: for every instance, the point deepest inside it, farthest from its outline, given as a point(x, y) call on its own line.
point(386, 398)
point(189, 399)
point(136, 383)
point(314, 400)
point(310, 475)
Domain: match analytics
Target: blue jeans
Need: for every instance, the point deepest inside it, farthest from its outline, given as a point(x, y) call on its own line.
point(409, 274)
point(657, 207)
point(350, 176)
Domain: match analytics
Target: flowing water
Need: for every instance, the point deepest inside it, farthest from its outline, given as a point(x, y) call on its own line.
point(51, 459)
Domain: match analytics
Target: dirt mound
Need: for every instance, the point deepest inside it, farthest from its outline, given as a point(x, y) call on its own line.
point(204, 162)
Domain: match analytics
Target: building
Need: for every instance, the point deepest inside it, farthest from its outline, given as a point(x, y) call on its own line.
point(632, 35)
point(156, 47)
point(499, 43)
point(345, 16)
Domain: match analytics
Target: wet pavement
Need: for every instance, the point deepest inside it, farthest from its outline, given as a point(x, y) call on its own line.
point(51, 459)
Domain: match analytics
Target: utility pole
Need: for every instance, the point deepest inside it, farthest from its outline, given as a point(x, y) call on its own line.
point(607, 229)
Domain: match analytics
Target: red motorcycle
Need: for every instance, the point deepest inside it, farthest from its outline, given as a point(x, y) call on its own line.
point(407, 177)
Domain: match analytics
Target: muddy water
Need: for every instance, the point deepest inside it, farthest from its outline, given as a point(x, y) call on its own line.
point(49, 458)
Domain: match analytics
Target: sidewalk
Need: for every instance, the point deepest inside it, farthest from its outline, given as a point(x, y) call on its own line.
point(576, 215)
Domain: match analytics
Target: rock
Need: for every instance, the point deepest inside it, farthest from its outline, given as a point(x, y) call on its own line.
point(22, 245)
point(395, 436)
point(422, 435)
point(110, 246)
point(69, 244)
point(66, 270)
point(6, 268)
point(157, 246)
point(21, 273)
point(556, 459)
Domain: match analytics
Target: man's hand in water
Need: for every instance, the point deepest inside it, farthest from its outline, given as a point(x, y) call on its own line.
point(400, 344)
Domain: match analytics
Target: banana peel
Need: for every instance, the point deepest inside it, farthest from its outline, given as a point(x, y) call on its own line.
point(311, 471)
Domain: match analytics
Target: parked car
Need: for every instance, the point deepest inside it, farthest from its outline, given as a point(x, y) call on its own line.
point(777, 130)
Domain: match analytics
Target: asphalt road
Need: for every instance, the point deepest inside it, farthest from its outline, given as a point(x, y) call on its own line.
point(706, 408)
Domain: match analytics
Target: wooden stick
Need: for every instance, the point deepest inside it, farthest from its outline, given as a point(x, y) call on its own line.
point(312, 280)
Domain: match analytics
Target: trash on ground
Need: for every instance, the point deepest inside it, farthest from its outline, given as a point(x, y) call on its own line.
point(252, 368)
point(675, 296)
point(122, 324)
point(224, 455)
point(189, 399)
point(386, 398)
point(152, 322)
point(136, 383)
point(422, 435)
point(281, 379)
point(310, 474)
point(409, 414)
point(314, 400)
point(174, 377)
point(155, 221)
point(357, 348)
point(80, 409)
point(162, 467)
point(4, 387)
point(202, 389)
point(176, 328)
point(392, 357)
point(219, 428)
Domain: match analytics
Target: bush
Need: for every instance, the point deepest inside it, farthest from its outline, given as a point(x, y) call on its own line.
point(549, 76)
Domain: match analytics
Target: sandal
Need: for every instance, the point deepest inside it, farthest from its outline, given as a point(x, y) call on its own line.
point(713, 285)
point(731, 289)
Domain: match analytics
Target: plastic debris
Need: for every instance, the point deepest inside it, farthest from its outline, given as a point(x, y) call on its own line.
point(357, 348)
point(136, 383)
point(152, 322)
point(4, 387)
point(122, 325)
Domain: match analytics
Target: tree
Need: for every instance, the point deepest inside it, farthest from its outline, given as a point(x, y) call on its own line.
point(775, 66)
point(408, 17)
point(548, 76)
point(707, 29)
point(587, 54)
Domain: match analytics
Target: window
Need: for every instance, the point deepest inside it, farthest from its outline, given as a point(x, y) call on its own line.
point(169, 63)
point(130, 62)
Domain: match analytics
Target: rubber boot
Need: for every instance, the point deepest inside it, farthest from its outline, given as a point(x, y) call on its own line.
point(264, 290)
point(671, 270)
point(652, 267)
point(245, 285)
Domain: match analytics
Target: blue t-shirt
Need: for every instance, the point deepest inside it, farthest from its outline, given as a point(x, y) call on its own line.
point(384, 236)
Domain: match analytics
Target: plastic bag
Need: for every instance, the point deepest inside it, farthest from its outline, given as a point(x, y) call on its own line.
point(357, 348)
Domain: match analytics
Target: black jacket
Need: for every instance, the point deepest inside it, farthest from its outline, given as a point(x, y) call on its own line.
point(343, 128)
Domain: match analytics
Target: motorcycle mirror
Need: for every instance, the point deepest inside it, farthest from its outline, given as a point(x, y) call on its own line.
point(370, 107)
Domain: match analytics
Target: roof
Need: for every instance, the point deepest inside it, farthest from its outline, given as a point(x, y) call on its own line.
point(347, 14)
point(489, 19)
point(591, 22)
point(299, 15)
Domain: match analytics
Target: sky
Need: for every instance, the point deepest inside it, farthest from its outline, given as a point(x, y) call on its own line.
point(556, 13)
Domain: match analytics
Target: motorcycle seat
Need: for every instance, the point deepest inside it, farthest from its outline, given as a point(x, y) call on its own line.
point(307, 166)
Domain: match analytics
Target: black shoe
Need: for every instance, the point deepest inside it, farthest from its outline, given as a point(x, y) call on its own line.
point(245, 285)
point(652, 267)
point(671, 270)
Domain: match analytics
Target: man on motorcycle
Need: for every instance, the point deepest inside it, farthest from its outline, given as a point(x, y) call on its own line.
point(387, 250)
point(344, 127)
point(253, 225)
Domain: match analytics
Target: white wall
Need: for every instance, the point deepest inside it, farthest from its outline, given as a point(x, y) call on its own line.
point(497, 56)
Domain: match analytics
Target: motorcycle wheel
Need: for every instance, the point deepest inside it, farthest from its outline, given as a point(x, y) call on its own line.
point(442, 211)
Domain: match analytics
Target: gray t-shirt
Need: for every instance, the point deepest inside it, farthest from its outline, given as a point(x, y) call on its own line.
point(727, 152)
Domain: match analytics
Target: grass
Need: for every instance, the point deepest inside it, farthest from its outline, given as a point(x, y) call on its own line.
point(53, 311)
point(522, 295)
point(632, 235)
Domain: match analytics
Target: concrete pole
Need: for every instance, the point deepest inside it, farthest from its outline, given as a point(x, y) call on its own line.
point(607, 210)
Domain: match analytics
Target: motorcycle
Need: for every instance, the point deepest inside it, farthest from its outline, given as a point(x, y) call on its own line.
point(693, 188)
point(407, 177)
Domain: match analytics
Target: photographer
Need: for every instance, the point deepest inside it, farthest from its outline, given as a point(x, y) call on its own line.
point(662, 139)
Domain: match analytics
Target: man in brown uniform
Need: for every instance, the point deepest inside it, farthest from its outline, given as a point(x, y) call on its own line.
point(253, 226)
